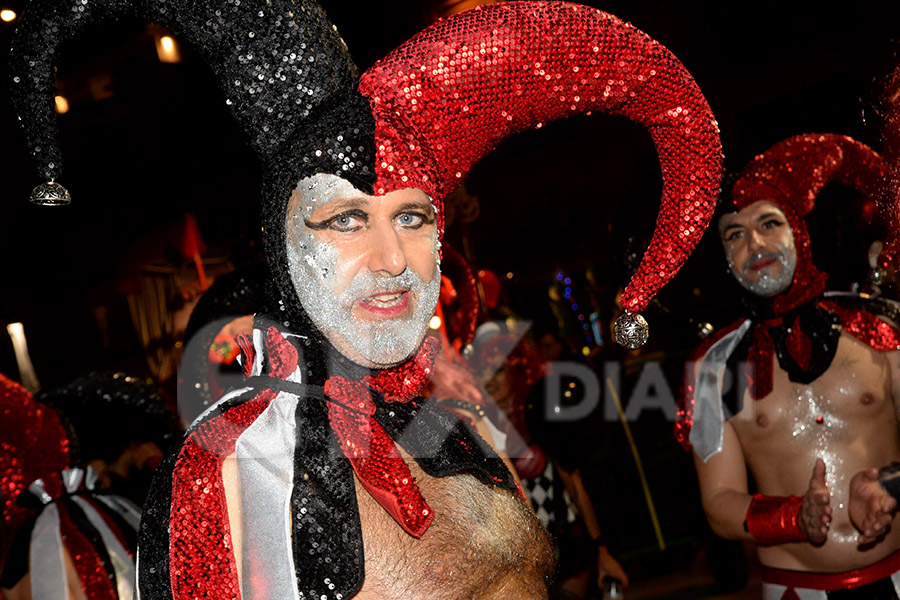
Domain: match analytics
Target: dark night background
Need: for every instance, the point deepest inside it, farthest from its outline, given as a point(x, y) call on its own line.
point(576, 194)
point(161, 143)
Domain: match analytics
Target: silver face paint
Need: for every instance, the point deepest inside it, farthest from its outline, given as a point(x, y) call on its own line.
point(767, 285)
point(315, 268)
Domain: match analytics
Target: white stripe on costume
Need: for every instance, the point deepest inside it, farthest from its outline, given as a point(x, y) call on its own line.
point(265, 468)
point(123, 507)
point(46, 557)
point(708, 413)
point(121, 560)
point(772, 591)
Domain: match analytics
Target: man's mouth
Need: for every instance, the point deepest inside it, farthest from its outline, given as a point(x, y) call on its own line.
point(763, 262)
point(386, 304)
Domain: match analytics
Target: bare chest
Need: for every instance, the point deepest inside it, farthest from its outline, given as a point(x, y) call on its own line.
point(846, 417)
point(484, 542)
point(854, 391)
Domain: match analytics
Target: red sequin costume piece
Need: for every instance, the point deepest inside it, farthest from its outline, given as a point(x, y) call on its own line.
point(406, 381)
point(374, 457)
point(775, 520)
point(36, 447)
point(202, 563)
point(370, 450)
point(449, 95)
point(866, 327)
point(813, 584)
point(90, 569)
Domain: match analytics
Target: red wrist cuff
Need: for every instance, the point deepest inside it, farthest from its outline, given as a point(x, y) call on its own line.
point(775, 520)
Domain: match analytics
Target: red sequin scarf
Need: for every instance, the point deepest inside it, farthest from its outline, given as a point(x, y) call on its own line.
point(370, 450)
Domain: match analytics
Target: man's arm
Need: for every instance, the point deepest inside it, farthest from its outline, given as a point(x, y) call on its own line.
point(723, 488)
point(871, 505)
point(607, 565)
point(734, 514)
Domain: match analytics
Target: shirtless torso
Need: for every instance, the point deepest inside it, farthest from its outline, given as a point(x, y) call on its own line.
point(846, 417)
point(484, 543)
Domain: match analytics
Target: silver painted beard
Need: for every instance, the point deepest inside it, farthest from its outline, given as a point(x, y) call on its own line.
point(314, 269)
point(767, 285)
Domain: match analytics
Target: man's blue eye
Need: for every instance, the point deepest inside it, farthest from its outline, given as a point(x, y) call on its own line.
point(345, 223)
point(410, 219)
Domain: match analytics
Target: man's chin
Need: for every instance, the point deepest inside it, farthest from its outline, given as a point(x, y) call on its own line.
point(383, 345)
point(766, 287)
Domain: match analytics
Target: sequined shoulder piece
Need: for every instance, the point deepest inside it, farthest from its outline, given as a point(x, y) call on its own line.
point(882, 307)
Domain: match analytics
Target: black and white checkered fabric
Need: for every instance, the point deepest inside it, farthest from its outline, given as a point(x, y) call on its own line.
point(545, 491)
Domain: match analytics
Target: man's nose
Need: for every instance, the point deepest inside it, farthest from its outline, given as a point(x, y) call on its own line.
point(756, 241)
point(386, 253)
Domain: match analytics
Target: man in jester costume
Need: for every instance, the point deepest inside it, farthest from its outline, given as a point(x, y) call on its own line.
point(801, 393)
point(326, 475)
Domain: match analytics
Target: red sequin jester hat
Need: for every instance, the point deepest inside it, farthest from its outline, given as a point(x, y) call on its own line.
point(420, 118)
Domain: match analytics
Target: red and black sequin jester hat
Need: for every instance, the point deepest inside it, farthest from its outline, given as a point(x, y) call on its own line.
point(801, 326)
point(48, 505)
point(421, 117)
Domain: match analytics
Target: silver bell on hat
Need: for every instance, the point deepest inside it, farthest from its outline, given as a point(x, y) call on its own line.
point(50, 194)
point(631, 330)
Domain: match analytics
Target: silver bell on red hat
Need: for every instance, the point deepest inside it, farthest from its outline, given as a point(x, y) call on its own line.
point(631, 330)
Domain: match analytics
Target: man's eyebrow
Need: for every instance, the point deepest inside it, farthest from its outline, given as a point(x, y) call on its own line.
point(335, 209)
point(766, 215)
point(418, 204)
point(731, 226)
point(343, 204)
